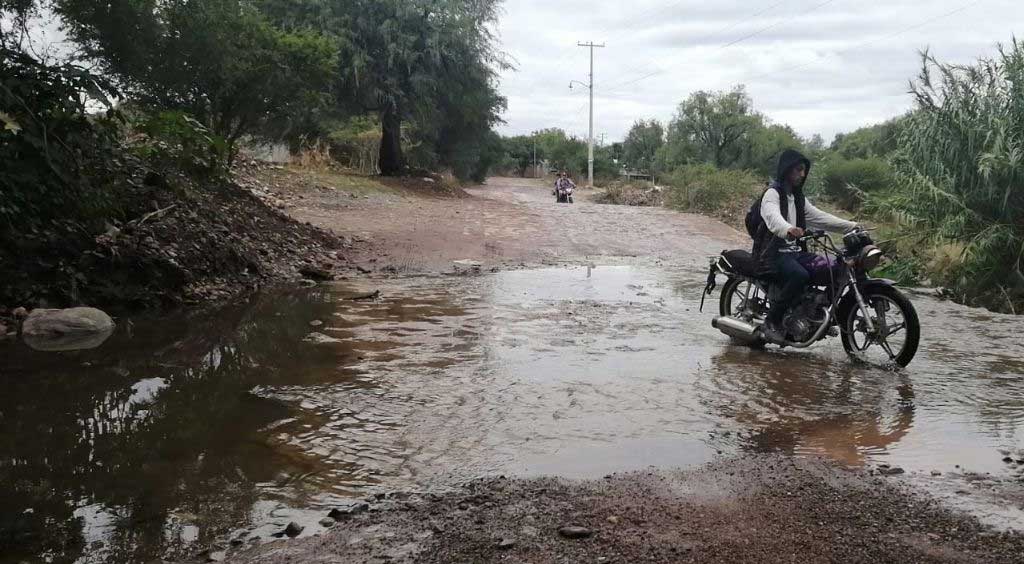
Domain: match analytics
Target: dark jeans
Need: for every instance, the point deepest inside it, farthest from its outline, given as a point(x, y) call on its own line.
point(792, 279)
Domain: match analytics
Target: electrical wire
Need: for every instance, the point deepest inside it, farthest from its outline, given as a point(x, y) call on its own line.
point(716, 32)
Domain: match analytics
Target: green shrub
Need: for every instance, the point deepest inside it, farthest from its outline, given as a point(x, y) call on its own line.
point(173, 142)
point(704, 188)
point(59, 161)
point(848, 183)
point(627, 194)
point(356, 143)
point(959, 177)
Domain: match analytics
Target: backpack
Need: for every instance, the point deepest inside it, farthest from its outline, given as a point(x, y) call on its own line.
point(754, 220)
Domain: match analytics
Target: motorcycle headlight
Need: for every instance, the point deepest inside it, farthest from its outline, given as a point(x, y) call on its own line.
point(870, 257)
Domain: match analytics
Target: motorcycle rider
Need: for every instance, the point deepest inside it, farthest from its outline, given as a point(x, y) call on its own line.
point(787, 214)
point(563, 183)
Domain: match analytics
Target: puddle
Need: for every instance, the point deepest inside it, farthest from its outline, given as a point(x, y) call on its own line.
point(185, 431)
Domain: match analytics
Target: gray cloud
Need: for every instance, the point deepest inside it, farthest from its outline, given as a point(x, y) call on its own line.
point(842, 66)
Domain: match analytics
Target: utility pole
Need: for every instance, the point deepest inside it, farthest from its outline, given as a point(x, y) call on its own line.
point(590, 139)
point(534, 158)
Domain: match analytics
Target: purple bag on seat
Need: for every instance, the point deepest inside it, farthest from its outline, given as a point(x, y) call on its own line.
point(822, 269)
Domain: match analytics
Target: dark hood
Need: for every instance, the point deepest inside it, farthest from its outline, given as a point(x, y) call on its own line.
point(787, 160)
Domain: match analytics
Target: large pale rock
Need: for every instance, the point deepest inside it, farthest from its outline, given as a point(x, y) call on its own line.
point(66, 329)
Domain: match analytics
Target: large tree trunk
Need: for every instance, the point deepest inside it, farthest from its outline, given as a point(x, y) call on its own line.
point(391, 161)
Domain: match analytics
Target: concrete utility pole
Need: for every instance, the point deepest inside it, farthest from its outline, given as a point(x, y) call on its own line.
point(590, 139)
point(534, 157)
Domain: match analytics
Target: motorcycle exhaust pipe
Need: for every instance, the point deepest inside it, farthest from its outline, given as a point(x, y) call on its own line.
point(735, 328)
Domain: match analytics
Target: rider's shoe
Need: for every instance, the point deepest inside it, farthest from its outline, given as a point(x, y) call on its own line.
point(773, 334)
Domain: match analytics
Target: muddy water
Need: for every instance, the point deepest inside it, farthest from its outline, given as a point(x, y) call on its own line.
point(181, 433)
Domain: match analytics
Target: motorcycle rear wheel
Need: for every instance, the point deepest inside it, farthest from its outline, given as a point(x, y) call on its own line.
point(732, 303)
point(870, 347)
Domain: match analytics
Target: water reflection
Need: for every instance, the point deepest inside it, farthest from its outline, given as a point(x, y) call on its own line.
point(183, 431)
point(800, 404)
point(120, 451)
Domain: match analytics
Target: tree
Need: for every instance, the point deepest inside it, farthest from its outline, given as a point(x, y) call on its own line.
point(712, 127)
point(765, 144)
point(642, 144)
point(521, 150)
point(399, 58)
point(878, 140)
point(219, 60)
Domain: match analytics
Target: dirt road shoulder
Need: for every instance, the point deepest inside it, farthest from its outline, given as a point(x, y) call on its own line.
point(754, 509)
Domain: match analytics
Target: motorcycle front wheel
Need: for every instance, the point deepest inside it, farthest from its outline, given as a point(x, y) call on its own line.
point(895, 333)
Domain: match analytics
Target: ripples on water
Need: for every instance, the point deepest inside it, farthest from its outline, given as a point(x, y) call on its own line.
point(179, 432)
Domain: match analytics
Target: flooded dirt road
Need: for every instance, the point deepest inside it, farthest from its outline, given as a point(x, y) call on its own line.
point(186, 432)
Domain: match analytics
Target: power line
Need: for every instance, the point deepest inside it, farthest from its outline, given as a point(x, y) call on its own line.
point(719, 31)
point(632, 23)
point(618, 88)
point(882, 38)
point(774, 25)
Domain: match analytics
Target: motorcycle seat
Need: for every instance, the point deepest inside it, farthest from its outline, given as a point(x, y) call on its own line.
point(741, 262)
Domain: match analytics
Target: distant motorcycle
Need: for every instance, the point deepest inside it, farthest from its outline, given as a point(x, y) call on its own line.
point(563, 193)
point(870, 314)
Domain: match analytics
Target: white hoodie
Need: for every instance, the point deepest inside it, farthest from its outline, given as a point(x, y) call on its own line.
point(771, 211)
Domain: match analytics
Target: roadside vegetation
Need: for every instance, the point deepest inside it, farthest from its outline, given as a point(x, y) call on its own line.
point(944, 184)
point(146, 107)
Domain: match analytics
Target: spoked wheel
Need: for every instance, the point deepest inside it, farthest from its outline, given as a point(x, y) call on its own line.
point(742, 299)
point(896, 329)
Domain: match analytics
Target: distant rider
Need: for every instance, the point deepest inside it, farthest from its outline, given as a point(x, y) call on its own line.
point(787, 214)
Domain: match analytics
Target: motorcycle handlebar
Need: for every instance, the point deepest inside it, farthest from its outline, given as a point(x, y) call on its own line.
point(813, 234)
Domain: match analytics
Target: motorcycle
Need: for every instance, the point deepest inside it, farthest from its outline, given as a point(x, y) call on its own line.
point(873, 318)
point(564, 194)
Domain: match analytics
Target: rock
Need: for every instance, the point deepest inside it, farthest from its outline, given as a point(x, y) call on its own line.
point(886, 470)
point(428, 180)
point(466, 264)
point(613, 519)
point(363, 270)
point(1008, 459)
point(505, 544)
point(936, 473)
point(216, 556)
point(315, 273)
point(339, 514)
point(575, 532)
point(20, 313)
point(307, 283)
point(320, 339)
point(366, 297)
point(316, 323)
point(293, 529)
point(327, 522)
point(66, 329)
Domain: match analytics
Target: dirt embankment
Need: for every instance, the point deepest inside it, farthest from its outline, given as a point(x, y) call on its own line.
point(756, 510)
point(180, 246)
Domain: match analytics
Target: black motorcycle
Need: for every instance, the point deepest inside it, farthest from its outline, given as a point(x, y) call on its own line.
point(875, 320)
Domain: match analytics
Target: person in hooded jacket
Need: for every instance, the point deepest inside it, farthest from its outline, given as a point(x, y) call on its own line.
point(787, 214)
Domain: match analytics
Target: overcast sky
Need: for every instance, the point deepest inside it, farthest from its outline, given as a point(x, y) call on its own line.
point(821, 66)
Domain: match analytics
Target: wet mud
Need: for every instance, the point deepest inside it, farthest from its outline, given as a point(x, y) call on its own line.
point(184, 433)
